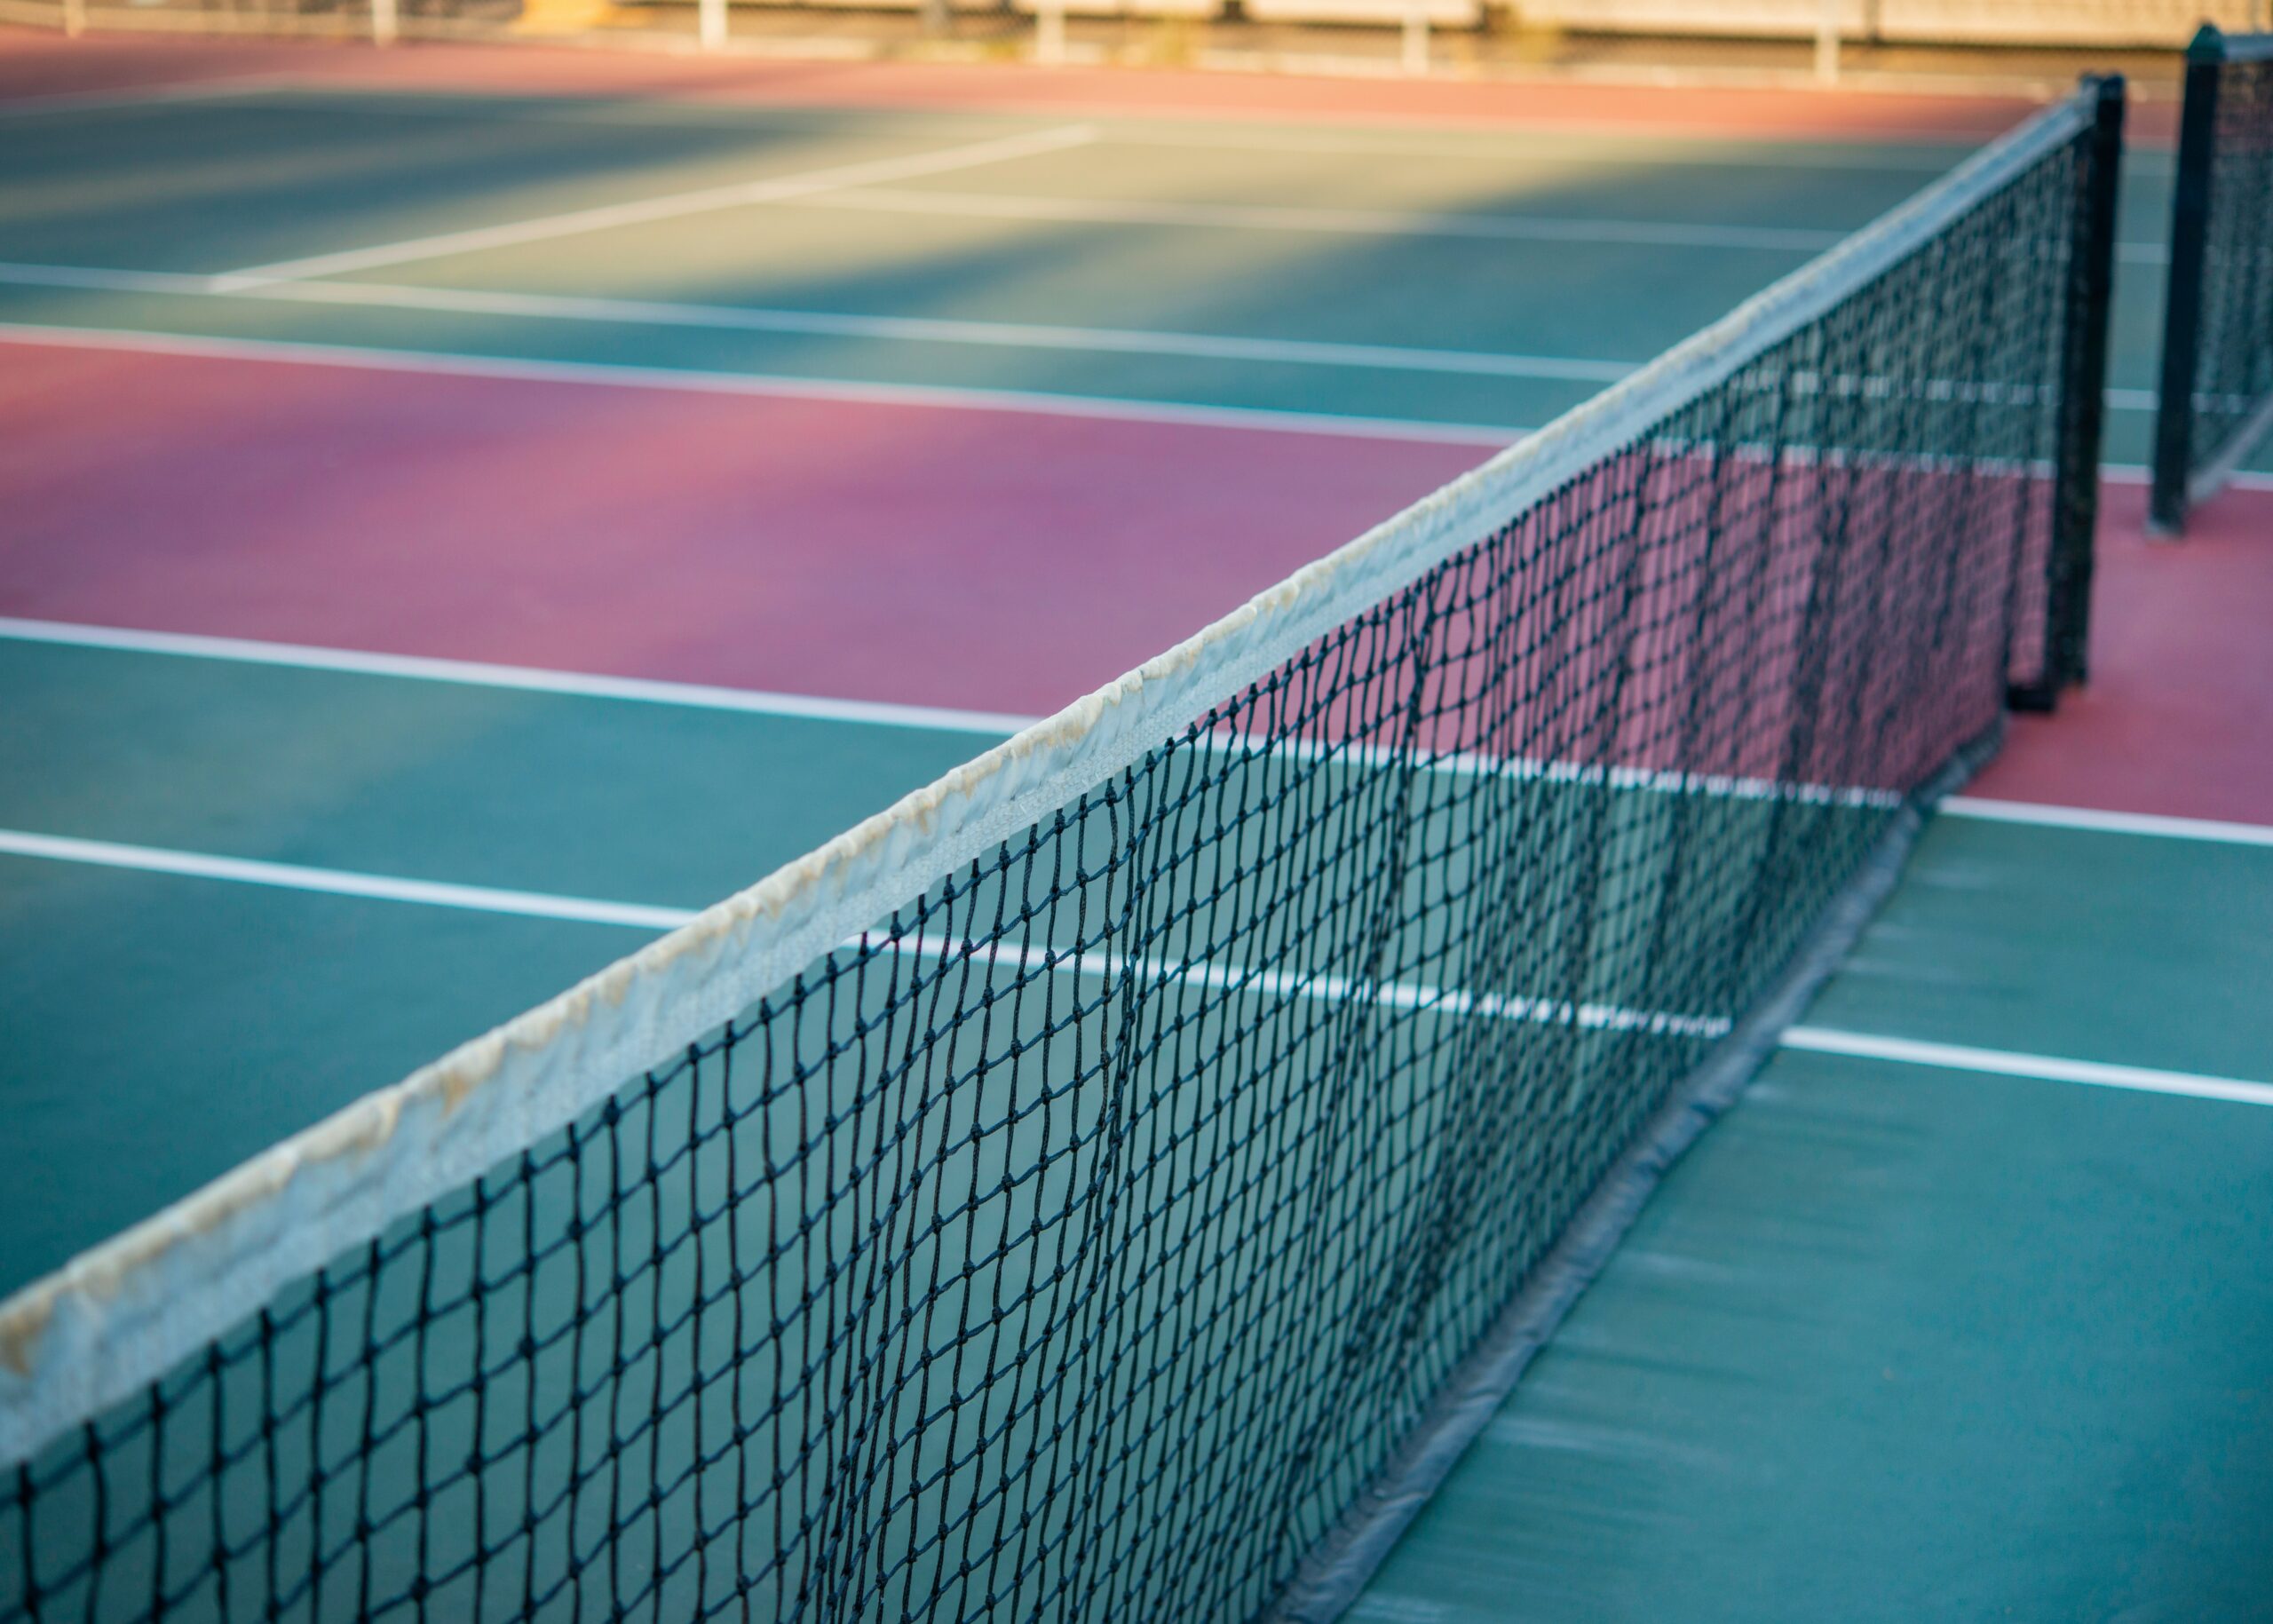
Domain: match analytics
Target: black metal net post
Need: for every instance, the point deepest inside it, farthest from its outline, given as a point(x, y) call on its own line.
point(2217, 367)
point(2083, 386)
point(2190, 243)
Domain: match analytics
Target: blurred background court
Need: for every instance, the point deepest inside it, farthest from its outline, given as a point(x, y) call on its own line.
point(467, 507)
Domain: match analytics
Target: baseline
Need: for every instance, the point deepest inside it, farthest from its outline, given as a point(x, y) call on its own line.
point(770, 386)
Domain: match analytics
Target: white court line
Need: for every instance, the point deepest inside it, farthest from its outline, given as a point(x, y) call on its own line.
point(479, 674)
point(763, 385)
point(991, 725)
point(775, 188)
point(1106, 965)
point(903, 330)
point(2139, 473)
point(2003, 1063)
point(1092, 964)
point(338, 881)
point(1350, 222)
point(2149, 824)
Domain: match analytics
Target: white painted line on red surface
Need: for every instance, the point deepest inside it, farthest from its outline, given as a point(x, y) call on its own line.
point(890, 329)
point(480, 674)
point(765, 385)
point(899, 329)
point(2136, 473)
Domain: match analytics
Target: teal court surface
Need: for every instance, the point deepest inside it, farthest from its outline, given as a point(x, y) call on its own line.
point(453, 533)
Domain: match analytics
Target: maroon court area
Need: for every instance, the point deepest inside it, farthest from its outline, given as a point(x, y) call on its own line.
point(975, 560)
point(2177, 718)
point(987, 560)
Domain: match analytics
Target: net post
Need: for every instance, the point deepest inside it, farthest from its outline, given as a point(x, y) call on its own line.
point(386, 24)
point(1049, 33)
point(1826, 42)
point(2190, 241)
point(75, 18)
point(2083, 405)
point(710, 24)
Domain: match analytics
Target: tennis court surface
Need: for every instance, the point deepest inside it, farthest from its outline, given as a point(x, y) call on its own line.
point(463, 512)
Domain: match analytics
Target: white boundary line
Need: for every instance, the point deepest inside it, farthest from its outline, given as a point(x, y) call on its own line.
point(1364, 222)
point(1094, 963)
point(338, 881)
point(581, 910)
point(771, 189)
point(903, 330)
point(2139, 473)
point(940, 719)
point(2150, 824)
point(879, 713)
point(481, 674)
point(2002, 1063)
point(772, 386)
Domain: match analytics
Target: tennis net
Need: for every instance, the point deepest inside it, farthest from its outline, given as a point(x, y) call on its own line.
point(1113, 1182)
point(2217, 372)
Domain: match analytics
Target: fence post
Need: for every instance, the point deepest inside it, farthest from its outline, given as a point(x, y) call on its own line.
point(386, 24)
point(710, 23)
point(2190, 245)
point(1049, 33)
point(75, 18)
point(1826, 42)
point(1417, 37)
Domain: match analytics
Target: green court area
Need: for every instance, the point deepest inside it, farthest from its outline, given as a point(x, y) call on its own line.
point(1442, 277)
point(1898, 1341)
point(341, 774)
point(1955, 1313)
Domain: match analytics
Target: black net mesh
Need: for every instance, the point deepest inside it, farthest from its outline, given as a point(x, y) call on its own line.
point(2233, 374)
point(2217, 382)
point(1083, 1242)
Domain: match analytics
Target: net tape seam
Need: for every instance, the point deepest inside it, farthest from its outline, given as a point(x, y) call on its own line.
point(121, 1315)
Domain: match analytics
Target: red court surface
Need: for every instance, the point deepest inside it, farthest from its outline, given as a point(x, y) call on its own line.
point(895, 553)
point(987, 560)
point(2177, 719)
point(880, 553)
point(35, 63)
